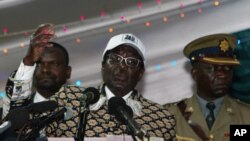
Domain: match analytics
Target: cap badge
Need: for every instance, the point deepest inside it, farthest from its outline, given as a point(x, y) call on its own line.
point(224, 46)
point(129, 37)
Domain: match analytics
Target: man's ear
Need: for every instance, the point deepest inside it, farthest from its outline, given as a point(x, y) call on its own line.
point(103, 63)
point(69, 72)
point(141, 74)
point(194, 72)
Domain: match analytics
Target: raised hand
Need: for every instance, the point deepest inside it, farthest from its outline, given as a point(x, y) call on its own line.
point(38, 42)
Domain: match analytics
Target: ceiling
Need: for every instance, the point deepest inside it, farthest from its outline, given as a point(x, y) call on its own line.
point(19, 15)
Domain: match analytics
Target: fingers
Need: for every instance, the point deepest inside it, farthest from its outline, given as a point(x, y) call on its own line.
point(37, 52)
point(38, 42)
point(43, 34)
point(41, 44)
point(42, 38)
point(44, 31)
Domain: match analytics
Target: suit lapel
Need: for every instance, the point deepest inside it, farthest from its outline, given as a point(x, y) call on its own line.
point(197, 116)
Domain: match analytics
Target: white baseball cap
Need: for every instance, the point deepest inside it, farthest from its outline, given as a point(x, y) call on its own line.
point(127, 39)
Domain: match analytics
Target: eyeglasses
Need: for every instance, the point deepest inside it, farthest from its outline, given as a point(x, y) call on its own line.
point(117, 59)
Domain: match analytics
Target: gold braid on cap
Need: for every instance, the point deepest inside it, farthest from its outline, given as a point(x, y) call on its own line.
point(226, 61)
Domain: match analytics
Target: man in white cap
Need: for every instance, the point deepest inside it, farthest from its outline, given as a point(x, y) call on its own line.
point(123, 66)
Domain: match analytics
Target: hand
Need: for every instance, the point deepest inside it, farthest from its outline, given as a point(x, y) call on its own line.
point(38, 42)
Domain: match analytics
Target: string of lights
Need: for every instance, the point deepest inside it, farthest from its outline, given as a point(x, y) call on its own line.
point(109, 22)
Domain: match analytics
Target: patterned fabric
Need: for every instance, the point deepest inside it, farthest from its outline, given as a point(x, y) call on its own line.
point(13, 104)
point(35, 120)
point(155, 120)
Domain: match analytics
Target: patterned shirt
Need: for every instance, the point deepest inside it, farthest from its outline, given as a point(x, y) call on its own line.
point(155, 120)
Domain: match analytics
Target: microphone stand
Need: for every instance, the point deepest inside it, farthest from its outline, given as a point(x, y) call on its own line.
point(84, 109)
point(130, 132)
point(35, 132)
point(141, 136)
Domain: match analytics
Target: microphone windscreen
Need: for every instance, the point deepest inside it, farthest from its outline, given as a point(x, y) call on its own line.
point(4, 126)
point(65, 113)
point(43, 106)
point(116, 106)
point(18, 117)
point(114, 103)
point(93, 94)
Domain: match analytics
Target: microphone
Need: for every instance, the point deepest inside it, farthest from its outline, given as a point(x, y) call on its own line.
point(7, 136)
point(15, 120)
point(41, 107)
point(123, 113)
point(18, 117)
point(39, 123)
point(91, 95)
point(63, 114)
point(4, 126)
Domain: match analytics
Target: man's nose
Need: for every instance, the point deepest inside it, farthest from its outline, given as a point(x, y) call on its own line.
point(46, 68)
point(123, 64)
point(220, 72)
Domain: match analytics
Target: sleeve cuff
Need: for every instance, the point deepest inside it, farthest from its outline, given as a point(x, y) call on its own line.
point(25, 72)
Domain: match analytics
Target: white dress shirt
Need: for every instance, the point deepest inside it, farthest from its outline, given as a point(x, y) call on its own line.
point(109, 94)
point(23, 73)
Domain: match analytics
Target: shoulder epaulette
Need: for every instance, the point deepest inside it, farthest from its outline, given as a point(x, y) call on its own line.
point(242, 102)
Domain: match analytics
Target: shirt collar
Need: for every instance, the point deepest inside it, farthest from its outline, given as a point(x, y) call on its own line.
point(39, 98)
point(109, 94)
point(202, 102)
point(133, 103)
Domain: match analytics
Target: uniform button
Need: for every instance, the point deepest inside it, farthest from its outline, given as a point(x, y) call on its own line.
point(190, 109)
point(229, 110)
point(211, 136)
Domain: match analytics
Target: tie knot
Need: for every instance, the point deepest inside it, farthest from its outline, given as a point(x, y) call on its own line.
point(210, 106)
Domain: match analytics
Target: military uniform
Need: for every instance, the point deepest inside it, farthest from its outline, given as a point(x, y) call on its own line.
point(193, 115)
point(231, 112)
point(155, 120)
